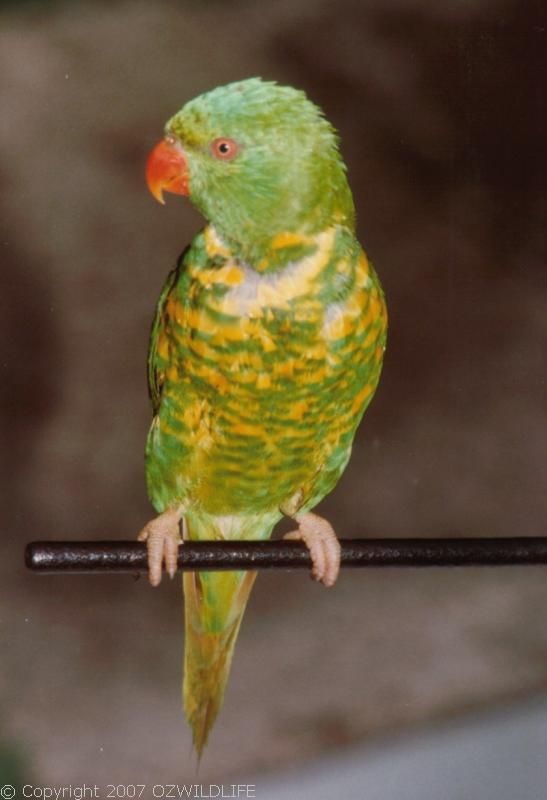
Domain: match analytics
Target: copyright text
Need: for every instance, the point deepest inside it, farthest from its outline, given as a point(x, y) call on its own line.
point(133, 791)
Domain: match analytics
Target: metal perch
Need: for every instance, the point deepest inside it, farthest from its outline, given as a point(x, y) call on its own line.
point(123, 556)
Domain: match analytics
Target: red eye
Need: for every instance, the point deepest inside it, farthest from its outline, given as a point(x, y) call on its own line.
point(225, 149)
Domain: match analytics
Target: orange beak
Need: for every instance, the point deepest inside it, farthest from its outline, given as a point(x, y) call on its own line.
point(167, 170)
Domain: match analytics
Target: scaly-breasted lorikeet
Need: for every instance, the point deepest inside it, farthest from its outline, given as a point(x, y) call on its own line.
point(265, 351)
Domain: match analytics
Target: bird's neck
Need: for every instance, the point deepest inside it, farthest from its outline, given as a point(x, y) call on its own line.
point(268, 228)
point(271, 254)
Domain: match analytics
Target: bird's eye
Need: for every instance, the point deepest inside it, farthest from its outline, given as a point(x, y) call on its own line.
point(224, 149)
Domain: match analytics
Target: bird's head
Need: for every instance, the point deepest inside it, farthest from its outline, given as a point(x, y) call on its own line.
point(257, 160)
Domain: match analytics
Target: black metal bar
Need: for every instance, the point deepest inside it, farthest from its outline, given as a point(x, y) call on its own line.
point(121, 556)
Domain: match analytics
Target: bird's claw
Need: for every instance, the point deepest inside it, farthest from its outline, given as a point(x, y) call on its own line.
point(162, 537)
point(319, 537)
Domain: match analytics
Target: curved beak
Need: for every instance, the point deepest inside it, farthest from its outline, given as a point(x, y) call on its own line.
point(167, 170)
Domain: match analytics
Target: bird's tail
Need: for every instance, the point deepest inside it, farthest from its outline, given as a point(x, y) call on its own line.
point(214, 605)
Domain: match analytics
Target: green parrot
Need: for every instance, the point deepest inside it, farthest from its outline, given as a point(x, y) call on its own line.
point(266, 349)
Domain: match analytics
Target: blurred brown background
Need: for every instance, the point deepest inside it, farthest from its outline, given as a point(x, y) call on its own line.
point(441, 108)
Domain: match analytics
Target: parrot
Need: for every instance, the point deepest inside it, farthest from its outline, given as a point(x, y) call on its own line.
point(265, 350)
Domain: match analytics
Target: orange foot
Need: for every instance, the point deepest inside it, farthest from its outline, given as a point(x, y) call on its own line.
point(319, 537)
point(162, 537)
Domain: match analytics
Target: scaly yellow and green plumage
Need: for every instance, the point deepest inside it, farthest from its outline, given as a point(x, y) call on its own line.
point(266, 348)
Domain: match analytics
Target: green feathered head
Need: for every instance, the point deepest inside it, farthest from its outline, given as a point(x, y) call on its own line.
point(257, 160)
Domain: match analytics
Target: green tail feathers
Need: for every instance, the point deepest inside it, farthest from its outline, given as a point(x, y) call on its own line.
point(210, 635)
point(214, 604)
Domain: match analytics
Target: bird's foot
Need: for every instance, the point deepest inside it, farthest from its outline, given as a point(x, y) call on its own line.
point(162, 536)
point(319, 537)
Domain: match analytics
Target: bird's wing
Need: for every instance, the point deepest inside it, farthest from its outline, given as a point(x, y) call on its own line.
point(156, 373)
